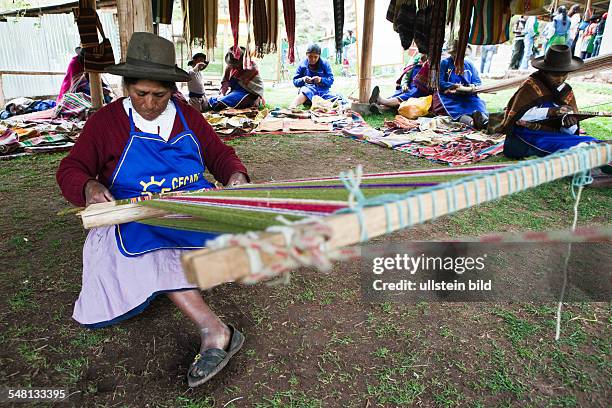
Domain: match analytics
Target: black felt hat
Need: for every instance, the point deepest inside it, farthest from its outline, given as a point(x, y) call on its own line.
point(558, 58)
point(150, 57)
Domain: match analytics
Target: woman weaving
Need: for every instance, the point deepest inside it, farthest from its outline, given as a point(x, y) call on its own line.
point(458, 93)
point(538, 119)
point(143, 144)
point(314, 77)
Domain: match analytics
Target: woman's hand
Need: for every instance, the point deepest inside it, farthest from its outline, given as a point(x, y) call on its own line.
point(96, 192)
point(236, 179)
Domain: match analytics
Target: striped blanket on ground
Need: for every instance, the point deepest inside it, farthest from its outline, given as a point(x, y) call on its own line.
point(439, 140)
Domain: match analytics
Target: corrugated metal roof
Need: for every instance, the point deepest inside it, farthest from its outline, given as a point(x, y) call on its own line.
point(43, 43)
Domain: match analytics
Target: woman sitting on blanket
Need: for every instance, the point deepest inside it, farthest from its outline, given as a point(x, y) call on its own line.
point(135, 147)
point(544, 96)
point(457, 96)
point(314, 77)
point(240, 87)
point(407, 88)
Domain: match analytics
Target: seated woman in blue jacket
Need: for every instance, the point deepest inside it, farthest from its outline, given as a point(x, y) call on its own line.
point(458, 97)
point(314, 77)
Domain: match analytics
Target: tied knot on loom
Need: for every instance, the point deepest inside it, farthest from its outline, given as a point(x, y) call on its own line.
point(305, 245)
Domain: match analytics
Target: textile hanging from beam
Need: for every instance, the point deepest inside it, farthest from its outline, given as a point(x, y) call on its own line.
point(338, 28)
point(162, 11)
point(234, 13)
point(436, 42)
point(200, 22)
point(272, 15)
point(289, 12)
point(465, 21)
point(247, 62)
point(491, 24)
point(260, 27)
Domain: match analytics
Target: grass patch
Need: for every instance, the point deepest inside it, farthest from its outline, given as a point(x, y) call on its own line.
point(289, 399)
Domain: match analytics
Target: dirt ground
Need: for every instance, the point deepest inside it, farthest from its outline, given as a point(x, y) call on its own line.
point(314, 342)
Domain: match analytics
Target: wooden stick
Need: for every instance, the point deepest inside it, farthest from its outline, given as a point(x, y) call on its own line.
point(208, 268)
point(101, 214)
point(590, 65)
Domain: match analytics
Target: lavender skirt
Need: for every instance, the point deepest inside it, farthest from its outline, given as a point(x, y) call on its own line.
point(117, 287)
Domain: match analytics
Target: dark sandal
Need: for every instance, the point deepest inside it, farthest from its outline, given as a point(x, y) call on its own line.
point(208, 364)
point(375, 94)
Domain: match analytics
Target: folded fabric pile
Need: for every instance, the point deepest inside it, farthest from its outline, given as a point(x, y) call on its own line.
point(17, 137)
point(235, 122)
point(437, 139)
point(21, 106)
point(298, 121)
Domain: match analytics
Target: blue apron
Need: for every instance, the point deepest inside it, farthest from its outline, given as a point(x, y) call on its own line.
point(150, 165)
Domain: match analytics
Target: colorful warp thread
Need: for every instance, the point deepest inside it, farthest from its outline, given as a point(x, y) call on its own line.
point(436, 41)
point(234, 12)
point(260, 27)
point(272, 15)
point(338, 28)
point(289, 12)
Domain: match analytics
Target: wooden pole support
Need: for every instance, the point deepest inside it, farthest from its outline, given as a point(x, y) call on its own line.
point(365, 71)
point(208, 268)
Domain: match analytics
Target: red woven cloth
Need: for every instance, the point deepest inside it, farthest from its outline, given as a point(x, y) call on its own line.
point(289, 12)
point(234, 12)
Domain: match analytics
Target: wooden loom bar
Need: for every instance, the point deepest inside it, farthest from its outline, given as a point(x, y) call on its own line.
point(208, 268)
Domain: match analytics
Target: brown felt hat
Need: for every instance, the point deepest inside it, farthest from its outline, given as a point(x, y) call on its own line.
point(150, 56)
point(558, 58)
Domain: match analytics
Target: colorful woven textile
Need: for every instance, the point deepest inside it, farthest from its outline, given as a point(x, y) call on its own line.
point(162, 11)
point(436, 41)
point(74, 106)
point(234, 12)
point(338, 28)
point(247, 62)
point(260, 27)
point(200, 22)
point(439, 139)
point(465, 20)
point(289, 12)
point(491, 23)
point(272, 15)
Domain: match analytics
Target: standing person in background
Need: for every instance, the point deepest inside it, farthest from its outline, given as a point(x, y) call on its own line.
point(561, 23)
point(599, 32)
point(532, 30)
point(574, 15)
point(197, 98)
point(588, 38)
point(548, 32)
point(486, 57)
point(519, 43)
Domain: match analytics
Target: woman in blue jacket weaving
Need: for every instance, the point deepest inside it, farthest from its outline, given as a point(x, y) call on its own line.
point(458, 97)
point(313, 76)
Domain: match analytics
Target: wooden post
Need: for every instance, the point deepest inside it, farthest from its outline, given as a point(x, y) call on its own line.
point(365, 71)
point(95, 80)
point(2, 100)
point(133, 16)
